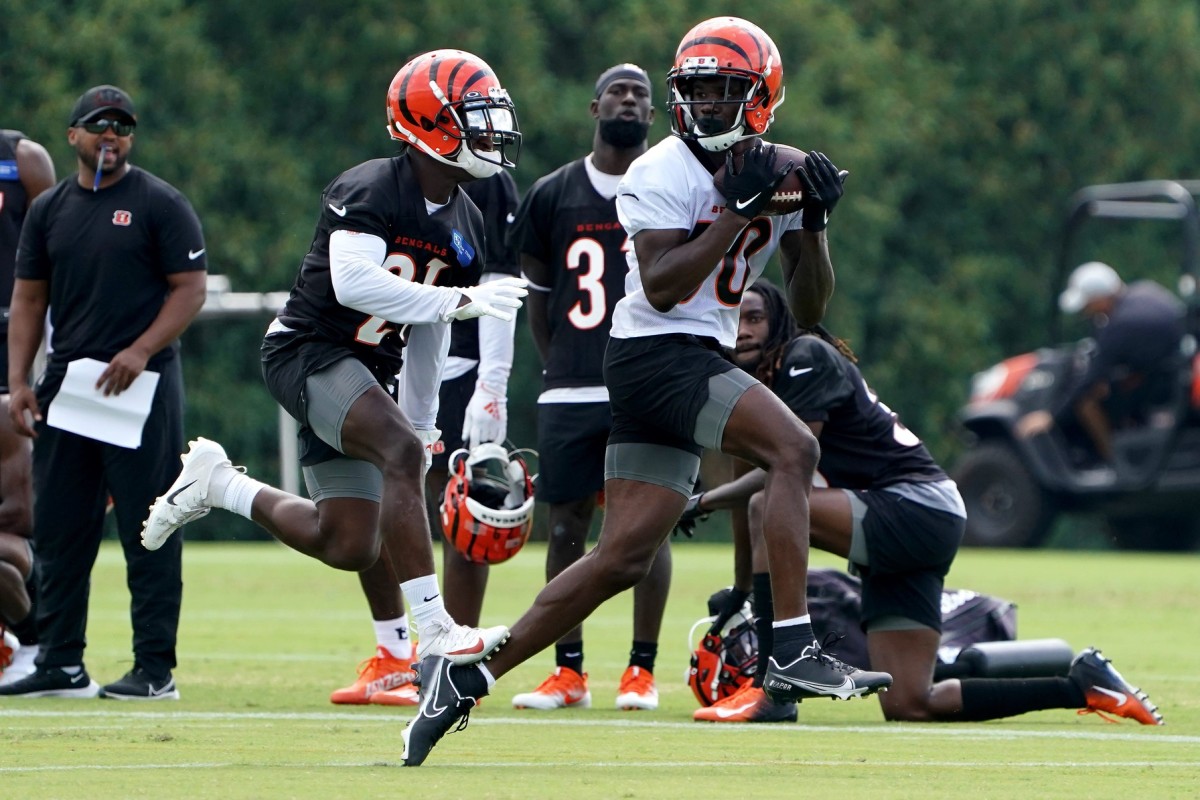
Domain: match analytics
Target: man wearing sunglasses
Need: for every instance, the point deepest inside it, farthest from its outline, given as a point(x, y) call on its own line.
point(117, 257)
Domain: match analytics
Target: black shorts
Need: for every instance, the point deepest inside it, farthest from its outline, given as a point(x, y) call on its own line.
point(571, 442)
point(453, 397)
point(910, 547)
point(657, 386)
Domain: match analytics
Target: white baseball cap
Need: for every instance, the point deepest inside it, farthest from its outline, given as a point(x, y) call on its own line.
point(1088, 282)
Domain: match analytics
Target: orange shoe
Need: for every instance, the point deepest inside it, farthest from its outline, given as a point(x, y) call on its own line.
point(1107, 692)
point(381, 673)
point(637, 692)
point(404, 695)
point(748, 704)
point(565, 688)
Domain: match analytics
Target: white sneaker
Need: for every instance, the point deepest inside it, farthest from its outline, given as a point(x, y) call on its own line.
point(187, 499)
point(22, 665)
point(459, 644)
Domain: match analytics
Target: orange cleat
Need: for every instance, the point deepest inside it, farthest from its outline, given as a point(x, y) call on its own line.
point(637, 691)
point(381, 673)
point(1108, 693)
point(748, 704)
point(565, 688)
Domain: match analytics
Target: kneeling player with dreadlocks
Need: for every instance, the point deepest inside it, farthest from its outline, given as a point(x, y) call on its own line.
point(893, 512)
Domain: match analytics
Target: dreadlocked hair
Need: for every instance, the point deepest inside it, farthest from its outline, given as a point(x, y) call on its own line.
point(821, 332)
point(781, 329)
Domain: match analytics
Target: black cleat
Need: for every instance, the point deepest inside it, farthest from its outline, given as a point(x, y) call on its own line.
point(448, 693)
point(818, 674)
point(137, 684)
point(52, 682)
point(1107, 692)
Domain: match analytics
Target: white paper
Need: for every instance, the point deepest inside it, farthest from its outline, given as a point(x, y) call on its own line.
point(79, 407)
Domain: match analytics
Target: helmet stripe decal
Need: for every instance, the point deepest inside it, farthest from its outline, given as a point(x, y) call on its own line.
point(722, 42)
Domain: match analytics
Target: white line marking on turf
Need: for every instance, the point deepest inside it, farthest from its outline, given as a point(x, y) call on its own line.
point(724, 765)
point(959, 731)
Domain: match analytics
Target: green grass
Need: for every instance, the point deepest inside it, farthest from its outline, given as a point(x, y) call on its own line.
point(266, 634)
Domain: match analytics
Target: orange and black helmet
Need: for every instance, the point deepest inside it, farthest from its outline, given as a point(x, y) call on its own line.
point(449, 105)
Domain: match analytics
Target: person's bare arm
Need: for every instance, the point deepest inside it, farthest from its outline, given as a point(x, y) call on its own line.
point(35, 167)
point(27, 316)
point(672, 266)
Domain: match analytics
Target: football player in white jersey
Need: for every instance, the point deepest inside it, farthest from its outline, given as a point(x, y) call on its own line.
point(672, 389)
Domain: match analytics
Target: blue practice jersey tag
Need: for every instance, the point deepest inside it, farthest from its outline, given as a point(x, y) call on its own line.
point(466, 253)
point(9, 171)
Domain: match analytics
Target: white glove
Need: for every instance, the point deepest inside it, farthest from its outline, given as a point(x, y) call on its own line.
point(487, 416)
point(432, 440)
point(490, 299)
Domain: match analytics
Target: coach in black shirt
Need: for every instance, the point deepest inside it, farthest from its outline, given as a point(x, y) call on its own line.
point(117, 256)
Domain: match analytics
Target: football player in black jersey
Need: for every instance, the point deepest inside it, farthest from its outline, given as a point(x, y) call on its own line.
point(572, 250)
point(895, 515)
point(394, 260)
point(26, 171)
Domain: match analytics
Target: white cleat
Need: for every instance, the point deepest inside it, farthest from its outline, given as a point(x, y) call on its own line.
point(187, 499)
point(459, 644)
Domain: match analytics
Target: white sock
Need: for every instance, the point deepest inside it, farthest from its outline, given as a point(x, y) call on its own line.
point(783, 623)
point(392, 635)
point(487, 673)
point(233, 490)
point(425, 604)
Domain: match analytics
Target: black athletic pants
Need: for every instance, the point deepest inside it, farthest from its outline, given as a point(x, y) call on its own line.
point(73, 477)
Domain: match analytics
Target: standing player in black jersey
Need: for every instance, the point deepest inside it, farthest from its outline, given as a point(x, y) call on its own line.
point(472, 408)
point(25, 172)
point(117, 256)
point(396, 249)
point(572, 250)
point(891, 510)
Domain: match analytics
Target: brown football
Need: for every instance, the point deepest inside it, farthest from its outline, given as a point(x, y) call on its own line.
point(790, 192)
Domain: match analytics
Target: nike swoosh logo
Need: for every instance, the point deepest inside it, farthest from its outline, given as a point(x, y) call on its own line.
point(794, 371)
point(171, 497)
point(726, 713)
point(740, 204)
point(427, 599)
point(341, 212)
point(510, 219)
point(1121, 699)
point(194, 254)
point(475, 648)
point(432, 706)
point(166, 688)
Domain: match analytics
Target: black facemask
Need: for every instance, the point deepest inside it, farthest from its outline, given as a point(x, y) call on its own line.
point(623, 133)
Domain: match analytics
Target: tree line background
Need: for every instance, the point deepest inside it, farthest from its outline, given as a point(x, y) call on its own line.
point(965, 126)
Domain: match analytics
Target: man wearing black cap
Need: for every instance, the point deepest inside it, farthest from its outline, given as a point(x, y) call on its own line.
point(572, 250)
point(118, 257)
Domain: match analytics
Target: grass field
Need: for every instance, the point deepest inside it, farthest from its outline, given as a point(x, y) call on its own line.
point(267, 634)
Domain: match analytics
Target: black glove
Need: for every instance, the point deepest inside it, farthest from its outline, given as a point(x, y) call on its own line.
point(822, 190)
point(748, 191)
point(723, 605)
point(690, 516)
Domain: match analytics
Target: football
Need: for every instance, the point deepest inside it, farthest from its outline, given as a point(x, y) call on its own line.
point(790, 192)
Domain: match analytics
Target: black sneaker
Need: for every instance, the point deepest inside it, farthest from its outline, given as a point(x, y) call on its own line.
point(141, 685)
point(52, 682)
point(818, 674)
point(448, 693)
point(1107, 692)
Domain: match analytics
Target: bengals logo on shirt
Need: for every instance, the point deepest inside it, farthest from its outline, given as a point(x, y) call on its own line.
point(123, 218)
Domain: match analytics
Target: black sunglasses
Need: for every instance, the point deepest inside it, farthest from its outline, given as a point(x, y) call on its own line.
point(101, 125)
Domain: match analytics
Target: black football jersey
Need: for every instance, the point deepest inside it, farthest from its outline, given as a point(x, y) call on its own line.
point(496, 198)
point(382, 198)
point(863, 443)
point(574, 231)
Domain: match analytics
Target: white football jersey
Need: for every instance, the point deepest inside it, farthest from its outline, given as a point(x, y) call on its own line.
point(667, 188)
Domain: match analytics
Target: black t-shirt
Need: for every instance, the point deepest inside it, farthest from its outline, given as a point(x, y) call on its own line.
point(13, 202)
point(567, 226)
point(382, 198)
point(863, 443)
point(496, 198)
point(106, 256)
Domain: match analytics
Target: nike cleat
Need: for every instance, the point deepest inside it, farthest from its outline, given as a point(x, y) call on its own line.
point(380, 673)
point(818, 674)
point(52, 682)
point(448, 693)
point(187, 499)
point(405, 695)
point(459, 644)
point(748, 704)
point(637, 691)
point(1107, 692)
point(137, 684)
point(565, 688)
